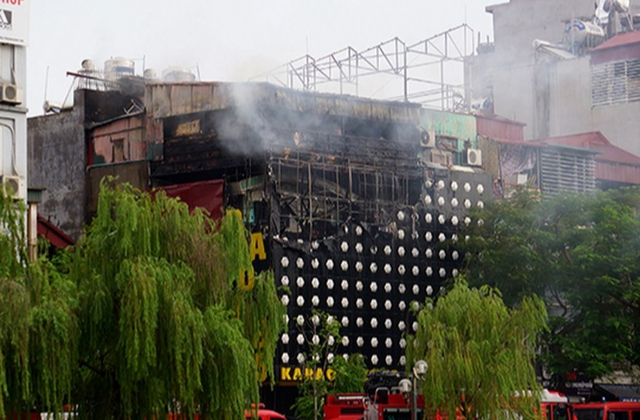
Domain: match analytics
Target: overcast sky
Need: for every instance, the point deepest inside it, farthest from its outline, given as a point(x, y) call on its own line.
point(221, 40)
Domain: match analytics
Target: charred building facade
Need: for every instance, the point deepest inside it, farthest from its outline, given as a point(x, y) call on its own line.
point(355, 204)
point(342, 195)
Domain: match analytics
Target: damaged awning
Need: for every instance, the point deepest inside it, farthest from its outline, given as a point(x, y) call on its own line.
point(205, 194)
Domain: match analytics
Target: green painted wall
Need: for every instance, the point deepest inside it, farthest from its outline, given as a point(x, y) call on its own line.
point(460, 126)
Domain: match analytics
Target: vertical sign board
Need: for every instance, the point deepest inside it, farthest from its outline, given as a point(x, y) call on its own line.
point(14, 22)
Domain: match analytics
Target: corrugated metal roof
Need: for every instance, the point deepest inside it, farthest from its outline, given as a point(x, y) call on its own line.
point(169, 99)
point(500, 128)
point(612, 162)
point(621, 40)
point(595, 140)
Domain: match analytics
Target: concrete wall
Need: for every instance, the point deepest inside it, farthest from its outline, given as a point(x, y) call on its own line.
point(620, 125)
point(571, 112)
point(460, 126)
point(13, 119)
point(13, 143)
point(508, 71)
point(57, 158)
point(517, 23)
point(570, 104)
point(58, 154)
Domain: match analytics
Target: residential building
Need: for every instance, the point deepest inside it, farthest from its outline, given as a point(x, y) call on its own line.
point(13, 118)
point(559, 72)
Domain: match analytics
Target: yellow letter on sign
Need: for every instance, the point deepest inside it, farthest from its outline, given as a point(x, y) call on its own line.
point(246, 279)
point(257, 247)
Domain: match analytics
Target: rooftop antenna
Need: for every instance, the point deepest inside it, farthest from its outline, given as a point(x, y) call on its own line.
point(46, 84)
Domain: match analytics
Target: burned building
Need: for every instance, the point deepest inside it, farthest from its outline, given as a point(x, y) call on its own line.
point(356, 219)
point(355, 204)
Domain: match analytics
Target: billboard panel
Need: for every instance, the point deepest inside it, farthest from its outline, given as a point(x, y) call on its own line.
point(14, 22)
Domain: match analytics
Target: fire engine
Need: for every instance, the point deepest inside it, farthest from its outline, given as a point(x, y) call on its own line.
point(555, 406)
point(383, 399)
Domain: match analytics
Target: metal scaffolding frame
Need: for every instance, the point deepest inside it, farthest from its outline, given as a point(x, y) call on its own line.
point(429, 72)
point(353, 176)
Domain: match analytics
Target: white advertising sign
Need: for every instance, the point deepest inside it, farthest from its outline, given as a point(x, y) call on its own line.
point(14, 21)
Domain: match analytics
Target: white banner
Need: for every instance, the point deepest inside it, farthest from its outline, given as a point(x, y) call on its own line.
point(14, 21)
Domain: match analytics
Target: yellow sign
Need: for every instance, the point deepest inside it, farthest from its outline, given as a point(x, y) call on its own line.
point(246, 278)
point(257, 247)
point(296, 374)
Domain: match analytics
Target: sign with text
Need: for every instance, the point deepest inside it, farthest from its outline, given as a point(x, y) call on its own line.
point(297, 373)
point(576, 384)
point(14, 21)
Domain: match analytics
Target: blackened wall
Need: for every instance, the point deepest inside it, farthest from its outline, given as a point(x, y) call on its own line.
point(56, 161)
point(135, 173)
point(57, 158)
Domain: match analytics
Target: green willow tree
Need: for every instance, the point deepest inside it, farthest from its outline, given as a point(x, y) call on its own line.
point(578, 252)
point(37, 323)
point(480, 353)
point(164, 326)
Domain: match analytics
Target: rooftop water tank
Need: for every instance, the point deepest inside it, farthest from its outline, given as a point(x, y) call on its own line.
point(178, 74)
point(579, 33)
point(119, 67)
point(92, 81)
point(150, 75)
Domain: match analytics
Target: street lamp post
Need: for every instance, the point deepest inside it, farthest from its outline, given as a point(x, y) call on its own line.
point(418, 372)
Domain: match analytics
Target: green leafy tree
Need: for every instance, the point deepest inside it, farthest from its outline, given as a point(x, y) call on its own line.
point(163, 325)
point(579, 253)
point(480, 353)
point(322, 335)
point(350, 374)
point(37, 323)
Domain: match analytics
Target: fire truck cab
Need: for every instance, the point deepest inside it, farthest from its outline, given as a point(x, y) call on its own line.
point(383, 405)
point(555, 406)
point(263, 414)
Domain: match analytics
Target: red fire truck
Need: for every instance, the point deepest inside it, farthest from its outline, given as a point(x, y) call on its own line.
point(388, 403)
point(383, 399)
point(555, 406)
point(382, 405)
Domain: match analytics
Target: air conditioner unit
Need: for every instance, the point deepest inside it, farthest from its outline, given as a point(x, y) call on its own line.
point(10, 94)
point(474, 157)
point(12, 185)
point(441, 157)
point(428, 139)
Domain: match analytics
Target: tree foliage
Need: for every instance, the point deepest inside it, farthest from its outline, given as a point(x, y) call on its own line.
point(37, 323)
point(322, 335)
point(577, 252)
point(350, 374)
point(479, 352)
point(143, 317)
point(163, 324)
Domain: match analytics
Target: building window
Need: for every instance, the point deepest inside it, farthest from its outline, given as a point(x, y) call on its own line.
point(118, 150)
point(615, 83)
